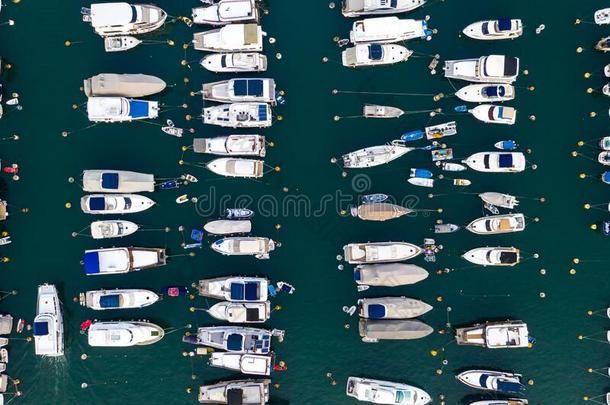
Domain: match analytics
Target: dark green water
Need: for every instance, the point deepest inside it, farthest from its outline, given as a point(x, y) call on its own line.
point(47, 76)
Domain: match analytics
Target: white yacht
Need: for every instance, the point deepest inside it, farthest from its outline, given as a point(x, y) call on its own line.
point(101, 300)
point(251, 364)
point(228, 226)
point(497, 224)
point(487, 30)
point(48, 323)
point(112, 229)
point(226, 12)
point(104, 204)
point(241, 312)
point(238, 392)
point(109, 19)
point(493, 256)
point(240, 91)
point(486, 69)
point(230, 38)
point(486, 93)
point(239, 115)
point(385, 392)
point(117, 181)
point(235, 288)
point(258, 247)
point(495, 335)
point(496, 162)
point(357, 8)
point(122, 260)
point(122, 85)
point(237, 339)
point(231, 145)
point(488, 380)
point(121, 43)
point(124, 334)
point(374, 54)
point(379, 252)
point(375, 155)
point(239, 62)
point(237, 167)
point(120, 109)
point(494, 114)
point(387, 30)
point(388, 274)
point(392, 308)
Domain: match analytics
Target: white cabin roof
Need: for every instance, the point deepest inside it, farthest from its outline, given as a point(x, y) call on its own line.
point(107, 14)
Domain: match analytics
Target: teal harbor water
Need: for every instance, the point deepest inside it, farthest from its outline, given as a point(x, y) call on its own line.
point(47, 75)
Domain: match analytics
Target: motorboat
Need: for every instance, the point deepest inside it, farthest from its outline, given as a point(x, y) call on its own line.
point(237, 339)
point(381, 111)
point(486, 69)
point(493, 256)
point(446, 228)
point(375, 155)
point(48, 323)
point(112, 229)
point(441, 130)
point(117, 181)
point(226, 12)
point(231, 145)
point(228, 227)
point(503, 28)
point(238, 392)
point(238, 213)
point(602, 16)
point(499, 200)
point(374, 330)
point(250, 364)
point(496, 381)
point(392, 308)
point(104, 204)
point(388, 275)
point(120, 109)
point(379, 211)
point(6, 326)
point(379, 252)
point(387, 30)
point(122, 260)
point(235, 62)
point(235, 288)
point(258, 247)
point(506, 145)
point(494, 114)
point(496, 162)
point(374, 55)
point(497, 224)
point(101, 300)
point(486, 93)
point(606, 89)
point(603, 45)
point(357, 8)
point(237, 167)
point(494, 335)
point(240, 91)
point(385, 392)
point(230, 38)
point(121, 43)
point(604, 158)
point(239, 115)
point(111, 19)
point(241, 312)
point(604, 143)
point(510, 401)
point(452, 167)
point(124, 334)
point(122, 85)
point(374, 198)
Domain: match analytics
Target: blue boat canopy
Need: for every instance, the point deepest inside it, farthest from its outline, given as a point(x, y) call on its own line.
point(357, 275)
point(41, 328)
point(508, 386)
point(92, 263)
point(376, 311)
point(138, 108)
point(495, 91)
point(97, 203)
point(375, 52)
point(505, 160)
point(248, 87)
point(504, 24)
point(262, 112)
point(110, 301)
point(606, 177)
point(234, 342)
point(244, 291)
point(110, 181)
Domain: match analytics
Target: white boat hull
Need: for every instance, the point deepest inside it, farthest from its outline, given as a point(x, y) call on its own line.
point(491, 30)
point(107, 204)
point(486, 93)
point(235, 62)
point(363, 55)
point(384, 392)
point(124, 334)
point(232, 145)
point(494, 114)
point(101, 300)
point(241, 312)
point(228, 227)
point(374, 156)
point(48, 324)
point(236, 167)
point(496, 162)
point(493, 256)
point(112, 229)
point(250, 364)
point(497, 224)
point(380, 252)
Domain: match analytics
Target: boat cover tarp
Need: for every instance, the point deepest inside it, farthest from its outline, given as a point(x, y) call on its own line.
point(6, 324)
point(250, 34)
point(511, 66)
point(393, 329)
point(41, 328)
point(128, 182)
point(227, 226)
point(97, 203)
point(244, 291)
point(505, 160)
point(235, 396)
point(138, 108)
point(92, 262)
point(389, 275)
point(393, 308)
point(123, 85)
point(376, 311)
point(381, 211)
point(504, 24)
point(3, 213)
point(110, 181)
point(248, 87)
point(508, 386)
point(494, 91)
point(375, 52)
point(252, 314)
point(235, 342)
point(508, 257)
point(110, 301)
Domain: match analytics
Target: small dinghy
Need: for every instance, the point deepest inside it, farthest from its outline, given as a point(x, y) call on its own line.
point(486, 93)
point(120, 44)
point(421, 182)
point(452, 167)
point(493, 256)
point(604, 158)
point(494, 114)
point(375, 155)
point(112, 229)
point(228, 227)
point(496, 162)
point(250, 364)
point(461, 182)
point(175, 291)
point(237, 167)
point(372, 330)
point(101, 300)
point(235, 288)
point(245, 246)
point(379, 211)
point(497, 224)
point(604, 143)
point(445, 228)
point(235, 62)
point(499, 200)
point(387, 30)
point(439, 155)
point(381, 111)
point(238, 213)
point(172, 130)
point(602, 17)
point(379, 252)
point(506, 145)
point(392, 308)
point(385, 392)
point(373, 198)
point(241, 312)
point(238, 392)
point(374, 54)
point(605, 177)
point(421, 173)
point(388, 275)
point(496, 381)
point(603, 45)
point(606, 89)
point(503, 28)
point(232, 145)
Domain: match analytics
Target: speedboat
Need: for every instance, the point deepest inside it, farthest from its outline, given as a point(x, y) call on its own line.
point(235, 288)
point(602, 16)
point(497, 224)
point(122, 260)
point(231, 145)
point(385, 392)
point(230, 38)
point(357, 8)
point(240, 91)
point(375, 155)
point(381, 111)
point(496, 162)
point(235, 62)
point(251, 364)
point(499, 200)
point(238, 392)
point(496, 381)
point(387, 30)
point(388, 275)
point(392, 308)
point(238, 213)
point(494, 335)
point(120, 109)
point(486, 69)
point(493, 256)
point(239, 115)
point(241, 312)
point(379, 252)
point(122, 85)
point(237, 167)
point(494, 114)
point(374, 54)
point(101, 300)
point(245, 246)
point(603, 45)
point(124, 334)
point(103, 204)
point(237, 339)
point(117, 181)
point(48, 323)
point(379, 211)
point(226, 12)
point(112, 229)
point(228, 227)
point(374, 330)
point(110, 19)
point(121, 43)
point(604, 158)
point(503, 28)
point(510, 401)
point(482, 93)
